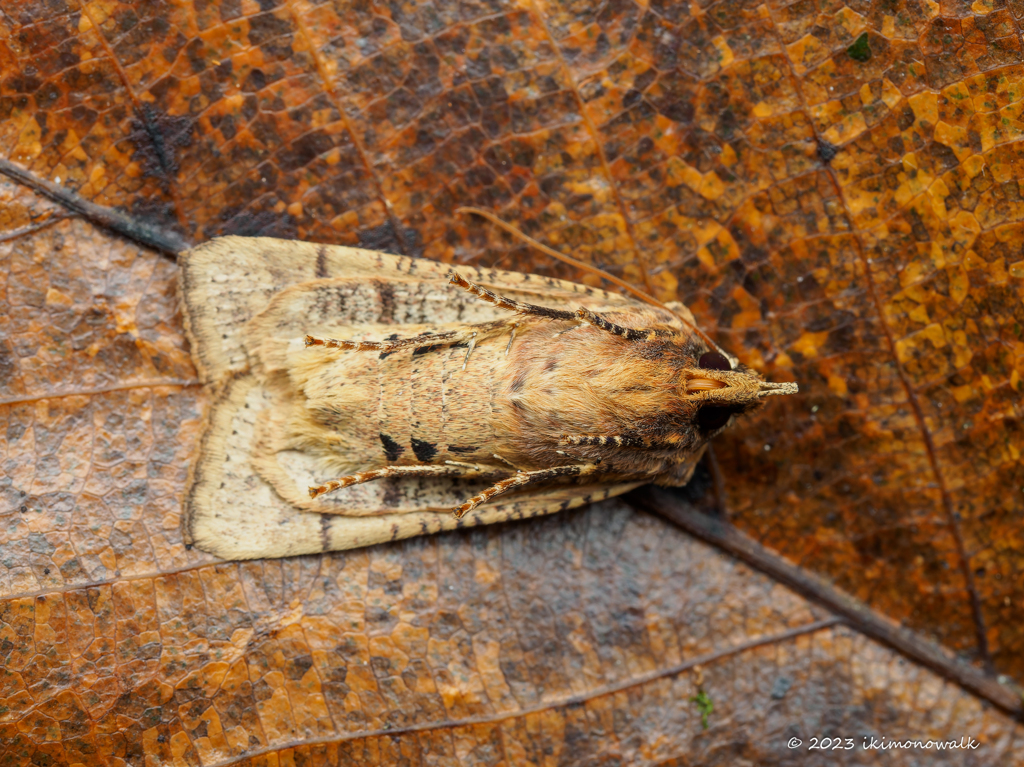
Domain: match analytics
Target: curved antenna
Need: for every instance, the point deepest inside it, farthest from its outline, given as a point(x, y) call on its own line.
point(589, 268)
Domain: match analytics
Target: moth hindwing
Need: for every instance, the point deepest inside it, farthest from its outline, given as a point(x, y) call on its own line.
point(361, 397)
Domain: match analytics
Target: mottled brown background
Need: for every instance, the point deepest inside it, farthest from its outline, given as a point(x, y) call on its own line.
point(847, 217)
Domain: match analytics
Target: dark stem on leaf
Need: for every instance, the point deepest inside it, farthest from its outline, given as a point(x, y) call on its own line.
point(164, 240)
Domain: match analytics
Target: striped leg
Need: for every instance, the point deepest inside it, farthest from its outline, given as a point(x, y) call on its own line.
point(507, 303)
point(630, 334)
point(583, 316)
point(466, 334)
point(450, 469)
point(522, 479)
point(668, 442)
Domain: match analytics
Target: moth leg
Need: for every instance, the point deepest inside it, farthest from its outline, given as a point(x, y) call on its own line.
point(473, 466)
point(569, 330)
point(472, 346)
point(582, 316)
point(511, 338)
point(572, 455)
point(522, 479)
point(588, 317)
point(506, 461)
point(388, 346)
point(426, 339)
point(507, 303)
point(435, 470)
point(668, 442)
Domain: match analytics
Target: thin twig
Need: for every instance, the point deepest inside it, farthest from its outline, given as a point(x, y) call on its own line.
point(24, 231)
point(549, 705)
point(127, 386)
point(854, 613)
point(164, 240)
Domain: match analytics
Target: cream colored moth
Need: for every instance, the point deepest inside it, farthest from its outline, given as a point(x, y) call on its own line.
point(425, 401)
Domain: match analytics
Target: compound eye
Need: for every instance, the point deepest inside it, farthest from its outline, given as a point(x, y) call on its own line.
point(712, 417)
point(714, 361)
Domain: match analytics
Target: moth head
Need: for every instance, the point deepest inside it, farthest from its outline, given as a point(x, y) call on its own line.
point(718, 390)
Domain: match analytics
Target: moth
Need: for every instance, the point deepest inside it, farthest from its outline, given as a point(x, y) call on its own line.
point(361, 397)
